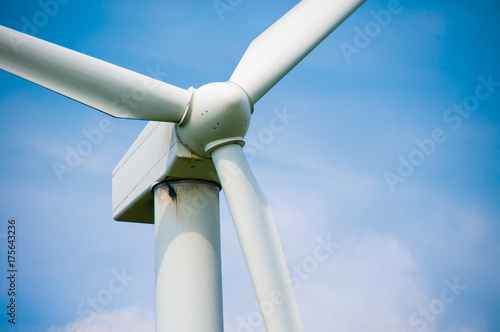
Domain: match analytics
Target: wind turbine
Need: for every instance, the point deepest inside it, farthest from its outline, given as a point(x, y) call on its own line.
point(191, 148)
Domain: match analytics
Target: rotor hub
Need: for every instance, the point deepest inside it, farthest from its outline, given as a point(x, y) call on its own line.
point(218, 114)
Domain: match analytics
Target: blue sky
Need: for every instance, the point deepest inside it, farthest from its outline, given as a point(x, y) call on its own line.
point(418, 252)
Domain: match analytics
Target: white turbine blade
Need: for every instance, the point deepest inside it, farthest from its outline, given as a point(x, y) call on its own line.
point(283, 45)
point(108, 88)
point(259, 240)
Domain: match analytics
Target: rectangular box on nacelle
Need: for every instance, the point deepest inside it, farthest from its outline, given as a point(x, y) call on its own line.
point(156, 155)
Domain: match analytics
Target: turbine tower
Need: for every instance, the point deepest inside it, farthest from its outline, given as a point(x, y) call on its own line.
point(191, 148)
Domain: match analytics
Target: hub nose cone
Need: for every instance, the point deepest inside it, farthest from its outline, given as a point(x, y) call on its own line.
point(219, 114)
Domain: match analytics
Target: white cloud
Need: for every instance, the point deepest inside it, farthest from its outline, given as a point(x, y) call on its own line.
point(370, 285)
point(131, 319)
